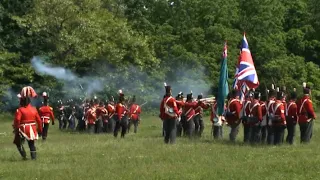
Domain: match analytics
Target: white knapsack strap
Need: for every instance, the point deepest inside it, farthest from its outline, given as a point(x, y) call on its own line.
point(270, 104)
point(302, 105)
point(256, 104)
point(233, 100)
point(288, 107)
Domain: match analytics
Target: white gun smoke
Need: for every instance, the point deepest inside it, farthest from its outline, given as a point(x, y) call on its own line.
point(88, 84)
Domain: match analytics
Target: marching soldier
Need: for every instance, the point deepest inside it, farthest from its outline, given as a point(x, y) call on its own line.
point(189, 113)
point(233, 115)
point(121, 116)
point(271, 101)
point(46, 113)
point(291, 117)
point(264, 129)
point(62, 116)
point(91, 117)
point(25, 123)
point(278, 121)
point(217, 123)
point(306, 115)
point(100, 112)
point(245, 116)
point(134, 114)
point(180, 105)
point(169, 114)
point(255, 118)
point(198, 121)
point(111, 112)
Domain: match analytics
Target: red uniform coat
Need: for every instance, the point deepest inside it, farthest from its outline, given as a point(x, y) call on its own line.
point(25, 122)
point(278, 112)
point(255, 111)
point(199, 108)
point(46, 113)
point(91, 116)
point(102, 113)
point(264, 113)
point(269, 110)
point(291, 112)
point(180, 105)
point(246, 110)
point(234, 108)
point(121, 110)
point(305, 110)
point(169, 108)
point(111, 110)
point(135, 111)
point(189, 111)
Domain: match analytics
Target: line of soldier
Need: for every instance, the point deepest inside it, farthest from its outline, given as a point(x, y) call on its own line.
point(263, 120)
point(97, 116)
point(29, 123)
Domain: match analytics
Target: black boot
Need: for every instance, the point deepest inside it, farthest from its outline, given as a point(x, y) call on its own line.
point(22, 152)
point(33, 155)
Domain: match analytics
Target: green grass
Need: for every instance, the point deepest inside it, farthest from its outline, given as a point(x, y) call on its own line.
point(144, 155)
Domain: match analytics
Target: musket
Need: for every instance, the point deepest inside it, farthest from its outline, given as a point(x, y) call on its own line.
point(211, 99)
point(144, 104)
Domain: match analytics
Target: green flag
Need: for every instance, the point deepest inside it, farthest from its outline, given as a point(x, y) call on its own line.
point(223, 82)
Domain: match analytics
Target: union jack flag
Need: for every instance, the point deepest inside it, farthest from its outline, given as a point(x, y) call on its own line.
point(247, 72)
point(246, 76)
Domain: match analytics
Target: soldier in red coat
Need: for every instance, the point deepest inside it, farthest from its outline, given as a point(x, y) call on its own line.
point(46, 114)
point(245, 116)
point(264, 128)
point(101, 123)
point(121, 116)
point(111, 112)
point(180, 105)
point(198, 121)
point(255, 118)
point(270, 102)
point(278, 119)
point(169, 113)
point(134, 115)
point(291, 117)
point(233, 114)
point(217, 122)
point(25, 123)
point(91, 118)
point(306, 115)
point(189, 113)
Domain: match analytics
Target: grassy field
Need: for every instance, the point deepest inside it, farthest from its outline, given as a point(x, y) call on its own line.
point(68, 155)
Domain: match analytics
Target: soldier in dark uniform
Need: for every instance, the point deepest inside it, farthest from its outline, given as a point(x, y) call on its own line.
point(62, 116)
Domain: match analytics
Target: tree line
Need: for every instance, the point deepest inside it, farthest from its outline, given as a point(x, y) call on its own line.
point(171, 40)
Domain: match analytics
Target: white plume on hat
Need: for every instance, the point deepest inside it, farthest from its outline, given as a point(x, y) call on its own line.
point(120, 91)
point(278, 89)
point(304, 84)
point(272, 86)
point(165, 84)
point(18, 95)
point(44, 94)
